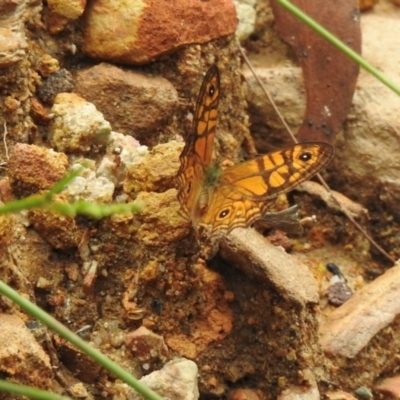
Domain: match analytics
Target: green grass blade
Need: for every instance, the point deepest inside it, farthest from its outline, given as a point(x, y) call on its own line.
point(63, 331)
point(330, 37)
point(28, 391)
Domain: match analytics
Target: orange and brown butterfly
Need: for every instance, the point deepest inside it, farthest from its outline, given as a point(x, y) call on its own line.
point(221, 200)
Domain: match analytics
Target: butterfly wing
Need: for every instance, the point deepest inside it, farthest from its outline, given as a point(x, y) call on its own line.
point(247, 190)
point(197, 153)
point(265, 177)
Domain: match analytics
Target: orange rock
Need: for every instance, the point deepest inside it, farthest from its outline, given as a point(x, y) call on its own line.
point(137, 32)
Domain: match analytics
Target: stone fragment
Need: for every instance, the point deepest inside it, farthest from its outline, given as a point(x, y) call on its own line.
point(366, 4)
point(307, 391)
point(247, 18)
point(63, 11)
point(389, 387)
point(78, 363)
point(58, 82)
point(134, 103)
point(285, 86)
point(146, 345)
point(339, 395)
point(21, 357)
point(59, 231)
point(38, 112)
point(160, 214)
point(177, 380)
point(77, 125)
point(13, 43)
point(349, 328)
point(254, 255)
point(245, 394)
point(156, 171)
point(122, 151)
point(89, 186)
point(32, 168)
point(133, 32)
point(338, 293)
point(48, 65)
point(356, 210)
point(371, 135)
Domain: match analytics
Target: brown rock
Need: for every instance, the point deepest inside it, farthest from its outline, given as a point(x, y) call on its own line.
point(366, 4)
point(351, 327)
point(254, 255)
point(78, 363)
point(59, 231)
point(245, 394)
point(39, 113)
point(137, 33)
point(390, 387)
point(146, 345)
point(32, 168)
point(21, 357)
point(134, 103)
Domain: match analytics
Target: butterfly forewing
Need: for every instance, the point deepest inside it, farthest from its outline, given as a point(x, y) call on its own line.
point(265, 177)
point(197, 153)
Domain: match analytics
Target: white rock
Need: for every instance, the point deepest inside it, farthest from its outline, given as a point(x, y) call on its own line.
point(177, 380)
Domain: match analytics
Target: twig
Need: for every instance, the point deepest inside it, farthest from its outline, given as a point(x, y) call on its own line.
point(323, 183)
point(5, 140)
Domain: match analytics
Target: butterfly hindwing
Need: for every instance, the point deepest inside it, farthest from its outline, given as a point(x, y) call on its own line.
point(247, 190)
point(265, 177)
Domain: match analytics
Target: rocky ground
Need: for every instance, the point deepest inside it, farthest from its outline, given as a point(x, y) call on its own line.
point(110, 87)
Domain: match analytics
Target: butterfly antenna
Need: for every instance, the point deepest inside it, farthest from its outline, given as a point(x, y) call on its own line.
point(340, 205)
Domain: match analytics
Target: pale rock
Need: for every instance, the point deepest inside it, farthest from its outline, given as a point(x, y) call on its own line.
point(248, 251)
point(371, 146)
point(307, 391)
point(247, 18)
point(146, 345)
point(177, 380)
point(77, 125)
point(21, 358)
point(285, 86)
point(90, 187)
point(348, 329)
point(13, 42)
point(122, 151)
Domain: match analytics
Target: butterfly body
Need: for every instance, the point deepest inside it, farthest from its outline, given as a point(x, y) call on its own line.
point(221, 200)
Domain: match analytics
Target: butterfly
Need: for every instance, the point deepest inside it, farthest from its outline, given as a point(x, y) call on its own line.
point(221, 200)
